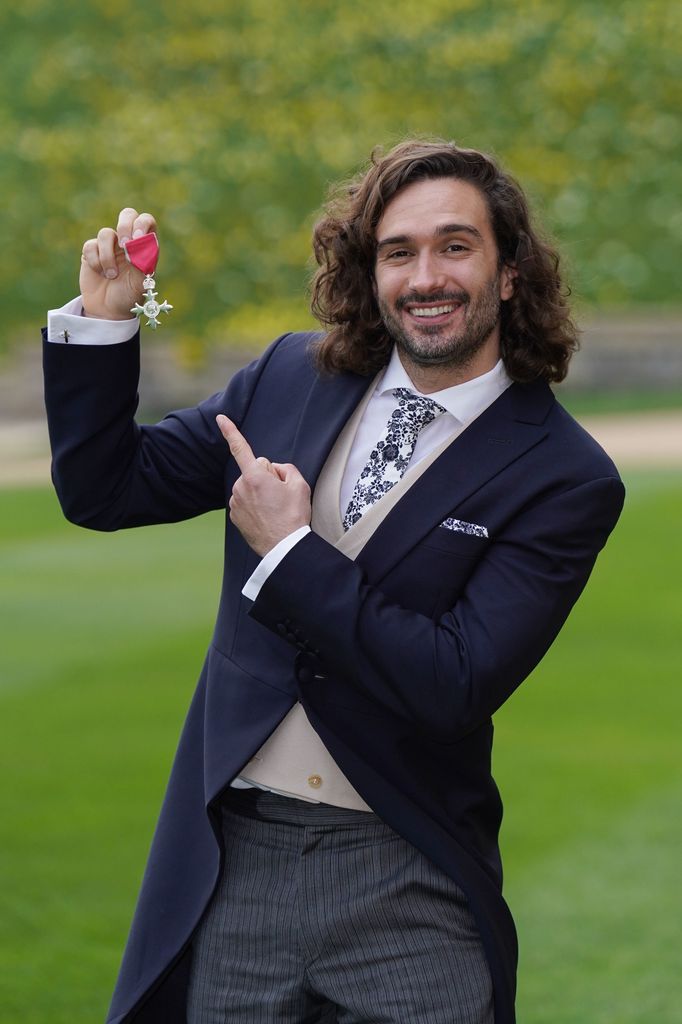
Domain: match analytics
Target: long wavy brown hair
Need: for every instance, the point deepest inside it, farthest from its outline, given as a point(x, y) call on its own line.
point(538, 336)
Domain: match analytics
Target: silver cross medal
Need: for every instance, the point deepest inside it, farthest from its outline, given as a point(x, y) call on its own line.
point(143, 253)
point(151, 308)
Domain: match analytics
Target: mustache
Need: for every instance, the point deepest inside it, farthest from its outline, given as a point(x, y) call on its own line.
point(441, 298)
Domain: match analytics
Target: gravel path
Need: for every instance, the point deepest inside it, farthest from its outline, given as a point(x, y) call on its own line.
point(642, 440)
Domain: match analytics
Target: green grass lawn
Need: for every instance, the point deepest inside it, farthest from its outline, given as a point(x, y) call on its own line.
point(102, 640)
point(590, 403)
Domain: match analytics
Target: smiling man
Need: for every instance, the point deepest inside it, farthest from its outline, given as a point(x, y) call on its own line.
point(412, 516)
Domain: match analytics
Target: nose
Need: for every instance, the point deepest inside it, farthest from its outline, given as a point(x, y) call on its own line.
point(427, 274)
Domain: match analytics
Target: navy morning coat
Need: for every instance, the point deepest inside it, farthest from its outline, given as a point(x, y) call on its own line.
point(399, 658)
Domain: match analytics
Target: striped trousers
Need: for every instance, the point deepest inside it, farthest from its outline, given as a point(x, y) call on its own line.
point(325, 915)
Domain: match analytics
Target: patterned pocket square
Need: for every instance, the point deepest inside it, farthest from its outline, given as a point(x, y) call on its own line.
point(459, 526)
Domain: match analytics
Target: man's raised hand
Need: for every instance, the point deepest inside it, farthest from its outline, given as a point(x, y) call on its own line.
point(110, 286)
point(270, 500)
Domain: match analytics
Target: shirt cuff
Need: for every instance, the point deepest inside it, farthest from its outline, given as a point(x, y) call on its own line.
point(68, 326)
point(269, 562)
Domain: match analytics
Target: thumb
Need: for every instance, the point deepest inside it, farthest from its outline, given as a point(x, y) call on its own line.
point(288, 472)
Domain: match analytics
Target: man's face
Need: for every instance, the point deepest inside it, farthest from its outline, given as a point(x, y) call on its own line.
point(437, 280)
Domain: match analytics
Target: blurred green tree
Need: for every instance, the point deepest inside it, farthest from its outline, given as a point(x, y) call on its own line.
point(229, 121)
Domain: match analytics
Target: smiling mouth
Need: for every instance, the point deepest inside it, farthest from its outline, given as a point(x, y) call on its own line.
point(427, 312)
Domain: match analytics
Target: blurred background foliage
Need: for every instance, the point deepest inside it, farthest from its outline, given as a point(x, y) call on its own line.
point(230, 120)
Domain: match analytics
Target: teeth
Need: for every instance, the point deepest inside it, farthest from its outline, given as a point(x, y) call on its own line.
point(433, 311)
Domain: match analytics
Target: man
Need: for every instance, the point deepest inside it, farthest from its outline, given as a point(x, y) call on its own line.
point(411, 518)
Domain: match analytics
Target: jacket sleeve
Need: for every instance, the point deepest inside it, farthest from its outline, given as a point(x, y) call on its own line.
point(109, 472)
point(445, 676)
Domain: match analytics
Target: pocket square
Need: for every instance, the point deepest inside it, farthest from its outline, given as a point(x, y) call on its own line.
point(460, 526)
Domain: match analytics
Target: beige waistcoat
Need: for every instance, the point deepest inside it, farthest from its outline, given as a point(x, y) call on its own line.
point(293, 760)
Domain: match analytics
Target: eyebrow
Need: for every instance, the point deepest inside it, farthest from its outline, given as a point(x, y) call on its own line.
point(444, 229)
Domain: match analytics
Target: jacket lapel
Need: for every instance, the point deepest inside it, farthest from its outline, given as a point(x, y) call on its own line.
point(508, 428)
point(331, 401)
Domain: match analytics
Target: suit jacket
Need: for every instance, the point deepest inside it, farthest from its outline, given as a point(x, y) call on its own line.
point(399, 658)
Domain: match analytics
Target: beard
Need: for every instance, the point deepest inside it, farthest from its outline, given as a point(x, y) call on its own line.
point(439, 344)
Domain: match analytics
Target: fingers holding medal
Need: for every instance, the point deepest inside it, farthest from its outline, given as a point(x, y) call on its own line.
point(108, 285)
point(132, 224)
point(111, 269)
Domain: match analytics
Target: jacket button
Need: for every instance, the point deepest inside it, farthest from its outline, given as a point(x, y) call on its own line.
point(315, 781)
point(282, 629)
point(305, 674)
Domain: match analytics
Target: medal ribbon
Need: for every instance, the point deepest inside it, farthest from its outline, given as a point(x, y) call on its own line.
point(143, 252)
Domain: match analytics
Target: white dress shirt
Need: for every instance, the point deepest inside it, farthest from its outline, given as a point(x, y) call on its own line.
point(68, 325)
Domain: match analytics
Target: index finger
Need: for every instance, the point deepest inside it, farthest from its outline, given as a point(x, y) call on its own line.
point(239, 446)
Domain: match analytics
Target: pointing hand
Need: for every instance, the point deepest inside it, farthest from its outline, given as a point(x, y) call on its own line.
point(270, 500)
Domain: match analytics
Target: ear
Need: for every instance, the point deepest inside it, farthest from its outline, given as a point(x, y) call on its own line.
point(508, 275)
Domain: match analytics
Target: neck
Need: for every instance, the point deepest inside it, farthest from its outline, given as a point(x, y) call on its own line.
point(429, 379)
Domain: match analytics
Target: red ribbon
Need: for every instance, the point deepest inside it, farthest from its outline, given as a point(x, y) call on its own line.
point(143, 252)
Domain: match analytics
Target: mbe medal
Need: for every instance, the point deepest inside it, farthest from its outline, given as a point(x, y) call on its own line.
point(143, 253)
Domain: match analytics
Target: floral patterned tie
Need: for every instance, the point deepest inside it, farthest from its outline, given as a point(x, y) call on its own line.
point(391, 454)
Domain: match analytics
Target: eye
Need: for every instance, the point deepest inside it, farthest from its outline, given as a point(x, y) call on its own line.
point(398, 254)
point(456, 247)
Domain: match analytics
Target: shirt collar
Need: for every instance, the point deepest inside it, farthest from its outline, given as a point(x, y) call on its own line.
point(463, 401)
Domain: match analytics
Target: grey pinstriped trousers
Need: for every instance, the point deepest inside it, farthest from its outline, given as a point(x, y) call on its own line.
point(325, 915)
